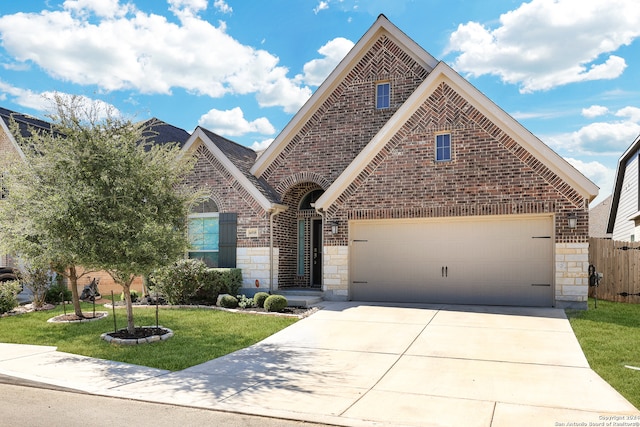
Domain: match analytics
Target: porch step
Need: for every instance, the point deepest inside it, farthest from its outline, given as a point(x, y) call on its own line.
point(301, 298)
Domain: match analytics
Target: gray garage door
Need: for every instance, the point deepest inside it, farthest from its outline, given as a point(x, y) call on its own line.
point(498, 260)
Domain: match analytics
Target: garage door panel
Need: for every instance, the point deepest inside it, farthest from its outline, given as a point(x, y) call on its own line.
point(498, 260)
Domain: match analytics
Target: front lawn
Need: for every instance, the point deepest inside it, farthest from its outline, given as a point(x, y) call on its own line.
point(199, 334)
point(610, 338)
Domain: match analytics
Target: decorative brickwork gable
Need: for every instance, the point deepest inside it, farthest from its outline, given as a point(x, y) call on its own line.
point(230, 196)
point(347, 119)
point(489, 174)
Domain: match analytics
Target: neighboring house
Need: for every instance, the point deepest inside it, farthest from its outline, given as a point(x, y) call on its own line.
point(599, 219)
point(398, 181)
point(10, 150)
point(160, 131)
point(624, 217)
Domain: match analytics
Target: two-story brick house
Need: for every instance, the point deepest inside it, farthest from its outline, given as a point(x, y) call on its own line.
point(398, 181)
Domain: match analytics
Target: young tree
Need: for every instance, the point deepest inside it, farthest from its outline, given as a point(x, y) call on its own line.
point(39, 196)
point(120, 202)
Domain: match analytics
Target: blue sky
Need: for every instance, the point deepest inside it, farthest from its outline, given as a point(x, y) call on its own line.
point(568, 70)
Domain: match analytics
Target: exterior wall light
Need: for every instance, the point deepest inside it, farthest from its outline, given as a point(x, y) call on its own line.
point(573, 220)
point(334, 227)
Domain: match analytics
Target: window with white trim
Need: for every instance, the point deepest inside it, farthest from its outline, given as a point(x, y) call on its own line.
point(443, 147)
point(383, 95)
point(204, 233)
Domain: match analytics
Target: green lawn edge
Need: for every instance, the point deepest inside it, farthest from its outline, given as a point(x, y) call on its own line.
point(610, 339)
point(200, 334)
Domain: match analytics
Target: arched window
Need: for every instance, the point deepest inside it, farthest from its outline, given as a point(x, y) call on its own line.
point(310, 199)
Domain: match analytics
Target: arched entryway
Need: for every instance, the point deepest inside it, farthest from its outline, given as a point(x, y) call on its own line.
point(300, 240)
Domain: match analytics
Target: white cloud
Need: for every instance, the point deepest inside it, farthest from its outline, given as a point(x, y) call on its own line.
point(524, 48)
point(594, 111)
point(188, 6)
point(601, 138)
point(601, 175)
point(101, 8)
point(145, 52)
point(44, 101)
point(261, 145)
point(317, 70)
point(24, 97)
point(323, 5)
point(631, 113)
point(222, 6)
point(232, 123)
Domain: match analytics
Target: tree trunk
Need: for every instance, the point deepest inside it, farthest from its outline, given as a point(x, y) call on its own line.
point(75, 298)
point(126, 290)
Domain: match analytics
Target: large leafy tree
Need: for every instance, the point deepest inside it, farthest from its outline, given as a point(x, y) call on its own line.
point(112, 199)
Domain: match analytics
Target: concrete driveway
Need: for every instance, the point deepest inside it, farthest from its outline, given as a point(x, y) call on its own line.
point(364, 364)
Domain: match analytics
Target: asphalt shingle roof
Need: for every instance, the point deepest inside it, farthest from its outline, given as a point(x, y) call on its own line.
point(161, 132)
point(243, 158)
point(24, 122)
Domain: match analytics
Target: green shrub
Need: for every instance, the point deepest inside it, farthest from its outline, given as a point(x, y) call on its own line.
point(244, 302)
point(228, 301)
point(38, 281)
point(275, 303)
point(9, 291)
point(220, 281)
point(58, 292)
point(259, 298)
point(179, 282)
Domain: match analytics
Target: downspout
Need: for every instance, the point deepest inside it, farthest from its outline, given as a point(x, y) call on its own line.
point(272, 213)
point(322, 214)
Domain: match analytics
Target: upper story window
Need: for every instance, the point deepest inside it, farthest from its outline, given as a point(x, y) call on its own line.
point(443, 147)
point(383, 95)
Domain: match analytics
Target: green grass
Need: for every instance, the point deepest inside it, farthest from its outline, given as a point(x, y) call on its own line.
point(199, 334)
point(610, 339)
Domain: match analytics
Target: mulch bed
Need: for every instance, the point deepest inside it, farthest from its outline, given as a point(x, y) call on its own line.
point(72, 317)
point(141, 332)
point(287, 311)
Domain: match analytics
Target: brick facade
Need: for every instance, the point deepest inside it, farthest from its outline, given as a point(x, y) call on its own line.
point(231, 197)
point(490, 172)
point(333, 137)
point(345, 123)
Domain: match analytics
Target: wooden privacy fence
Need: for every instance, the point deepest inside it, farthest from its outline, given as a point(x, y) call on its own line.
point(619, 263)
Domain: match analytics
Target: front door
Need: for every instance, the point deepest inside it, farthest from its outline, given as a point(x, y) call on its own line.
point(316, 253)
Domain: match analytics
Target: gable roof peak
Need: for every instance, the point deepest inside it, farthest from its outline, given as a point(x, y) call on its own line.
point(381, 26)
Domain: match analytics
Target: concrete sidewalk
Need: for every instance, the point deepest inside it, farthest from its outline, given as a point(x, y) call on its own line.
point(365, 364)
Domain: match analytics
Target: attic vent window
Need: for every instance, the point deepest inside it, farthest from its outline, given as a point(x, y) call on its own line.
point(443, 147)
point(383, 95)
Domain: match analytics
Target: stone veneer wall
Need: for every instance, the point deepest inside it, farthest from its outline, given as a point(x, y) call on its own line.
point(254, 263)
point(572, 277)
point(336, 273)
